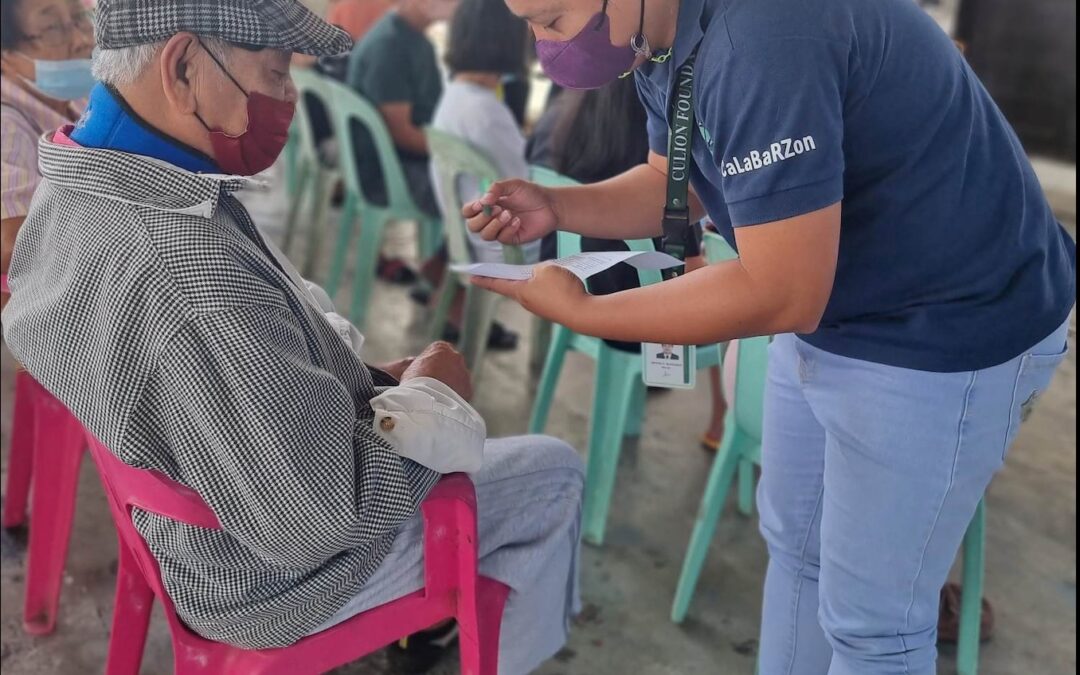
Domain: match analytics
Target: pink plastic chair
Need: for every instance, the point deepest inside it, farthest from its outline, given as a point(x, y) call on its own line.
point(47, 445)
point(453, 589)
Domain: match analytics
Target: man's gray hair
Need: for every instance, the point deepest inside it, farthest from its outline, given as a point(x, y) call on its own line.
point(122, 67)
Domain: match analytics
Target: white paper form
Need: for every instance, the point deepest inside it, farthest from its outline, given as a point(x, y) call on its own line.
point(581, 265)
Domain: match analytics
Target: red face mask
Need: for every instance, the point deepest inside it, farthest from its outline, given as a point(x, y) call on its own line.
point(255, 150)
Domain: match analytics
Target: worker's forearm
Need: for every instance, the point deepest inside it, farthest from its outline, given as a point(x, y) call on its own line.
point(715, 304)
point(630, 206)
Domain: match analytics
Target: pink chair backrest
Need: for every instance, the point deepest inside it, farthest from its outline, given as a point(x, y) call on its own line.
point(149, 490)
point(128, 487)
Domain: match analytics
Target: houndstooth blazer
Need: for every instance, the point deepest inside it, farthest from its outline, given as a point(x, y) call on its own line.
point(146, 301)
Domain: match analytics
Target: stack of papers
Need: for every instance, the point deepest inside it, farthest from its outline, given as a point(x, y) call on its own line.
point(581, 265)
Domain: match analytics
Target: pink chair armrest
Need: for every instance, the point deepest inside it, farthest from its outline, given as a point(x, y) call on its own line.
point(454, 487)
point(450, 537)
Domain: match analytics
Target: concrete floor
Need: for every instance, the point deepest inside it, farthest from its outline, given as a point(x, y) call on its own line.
point(628, 585)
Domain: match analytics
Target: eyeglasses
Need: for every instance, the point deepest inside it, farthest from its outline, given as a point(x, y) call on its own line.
point(59, 34)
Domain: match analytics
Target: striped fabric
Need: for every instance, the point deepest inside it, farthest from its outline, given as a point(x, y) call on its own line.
point(23, 120)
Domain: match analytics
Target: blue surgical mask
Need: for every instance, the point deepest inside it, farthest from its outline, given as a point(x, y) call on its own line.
point(63, 80)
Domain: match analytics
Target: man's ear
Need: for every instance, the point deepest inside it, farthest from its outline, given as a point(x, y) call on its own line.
point(178, 70)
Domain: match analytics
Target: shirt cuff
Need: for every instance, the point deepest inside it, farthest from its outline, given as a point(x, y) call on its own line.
point(426, 421)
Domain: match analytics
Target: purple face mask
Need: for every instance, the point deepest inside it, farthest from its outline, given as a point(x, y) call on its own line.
point(587, 61)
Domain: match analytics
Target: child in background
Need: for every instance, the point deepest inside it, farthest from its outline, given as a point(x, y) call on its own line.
point(486, 47)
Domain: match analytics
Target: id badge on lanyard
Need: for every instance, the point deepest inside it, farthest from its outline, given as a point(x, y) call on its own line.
point(673, 366)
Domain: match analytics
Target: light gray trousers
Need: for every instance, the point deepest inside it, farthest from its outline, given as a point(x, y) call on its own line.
point(529, 494)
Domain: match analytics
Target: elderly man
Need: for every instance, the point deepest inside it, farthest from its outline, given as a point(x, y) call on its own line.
point(145, 299)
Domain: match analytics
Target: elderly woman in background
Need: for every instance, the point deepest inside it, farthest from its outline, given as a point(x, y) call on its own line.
point(45, 48)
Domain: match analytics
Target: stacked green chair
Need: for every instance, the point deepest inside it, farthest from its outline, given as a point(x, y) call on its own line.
point(741, 450)
point(453, 159)
point(619, 396)
point(309, 179)
point(349, 113)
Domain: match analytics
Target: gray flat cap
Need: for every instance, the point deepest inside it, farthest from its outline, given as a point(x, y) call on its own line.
point(274, 24)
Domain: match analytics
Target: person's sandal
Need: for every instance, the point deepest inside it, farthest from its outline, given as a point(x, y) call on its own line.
point(500, 339)
point(395, 271)
point(949, 618)
point(710, 444)
point(419, 653)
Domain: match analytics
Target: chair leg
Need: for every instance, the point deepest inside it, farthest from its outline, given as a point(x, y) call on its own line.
point(971, 604)
point(549, 380)
point(480, 307)
point(21, 457)
point(615, 382)
point(346, 229)
point(541, 343)
point(292, 155)
point(448, 293)
point(296, 204)
point(428, 235)
point(367, 262)
point(712, 504)
point(636, 419)
point(480, 643)
point(58, 451)
point(321, 194)
point(131, 617)
point(746, 487)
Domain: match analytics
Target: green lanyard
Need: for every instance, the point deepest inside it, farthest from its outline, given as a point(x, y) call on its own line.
point(679, 237)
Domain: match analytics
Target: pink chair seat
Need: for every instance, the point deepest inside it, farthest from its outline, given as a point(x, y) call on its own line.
point(452, 588)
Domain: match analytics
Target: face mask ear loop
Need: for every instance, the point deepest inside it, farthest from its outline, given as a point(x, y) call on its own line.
point(603, 10)
point(232, 79)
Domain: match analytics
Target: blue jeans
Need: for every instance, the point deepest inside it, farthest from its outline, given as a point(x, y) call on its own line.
point(871, 475)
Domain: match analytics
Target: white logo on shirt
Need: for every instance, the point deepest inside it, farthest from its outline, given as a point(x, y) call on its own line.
point(781, 151)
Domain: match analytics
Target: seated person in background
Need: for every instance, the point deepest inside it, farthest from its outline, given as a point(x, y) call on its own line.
point(147, 301)
point(44, 80)
point(592, 136)
point(395, 68)
point(487, 43)
point(356, 17)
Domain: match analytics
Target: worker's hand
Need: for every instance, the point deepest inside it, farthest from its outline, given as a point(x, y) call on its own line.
point(553, 293)
point(513, 212)
point(442, 362)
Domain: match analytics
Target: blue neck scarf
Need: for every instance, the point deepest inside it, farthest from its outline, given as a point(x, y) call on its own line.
point(110, 124)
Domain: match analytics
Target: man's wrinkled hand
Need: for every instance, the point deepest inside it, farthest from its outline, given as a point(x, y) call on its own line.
point(397, 369)
point(442, 362)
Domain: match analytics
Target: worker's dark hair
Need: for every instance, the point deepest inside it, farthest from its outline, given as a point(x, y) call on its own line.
point(601, 133)
point(486, 38)
point(11, 35)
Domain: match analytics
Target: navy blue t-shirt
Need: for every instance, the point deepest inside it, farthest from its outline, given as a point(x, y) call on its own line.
point(950, 257)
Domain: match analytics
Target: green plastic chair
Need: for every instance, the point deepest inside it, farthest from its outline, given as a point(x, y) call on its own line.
point(967, 652)
point(347, 111)
point(453, 159)
point(739, 451)
point(619, 395)
point(309, 180)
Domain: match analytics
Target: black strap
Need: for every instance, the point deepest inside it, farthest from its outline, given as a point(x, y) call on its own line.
point(679, 238)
